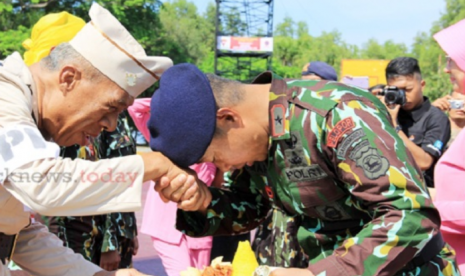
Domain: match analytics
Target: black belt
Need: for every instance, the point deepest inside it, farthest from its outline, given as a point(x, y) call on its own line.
point(431, 249)
point(7, 246)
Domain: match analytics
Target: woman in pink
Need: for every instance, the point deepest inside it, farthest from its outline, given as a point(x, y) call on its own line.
point(176, 250)
point(449, 172)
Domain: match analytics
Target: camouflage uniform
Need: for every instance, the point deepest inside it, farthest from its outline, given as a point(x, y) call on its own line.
point(336, 162)
point(93, 235)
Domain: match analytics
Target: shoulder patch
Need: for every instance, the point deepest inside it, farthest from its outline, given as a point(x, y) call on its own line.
point(348, 141)
point(374, 166)
point(339, 129)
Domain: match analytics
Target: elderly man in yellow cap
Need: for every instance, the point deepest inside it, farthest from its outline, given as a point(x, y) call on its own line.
point(70, 95)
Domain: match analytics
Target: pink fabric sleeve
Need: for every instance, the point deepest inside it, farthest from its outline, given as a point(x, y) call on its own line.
point(205, 171)
point(449, 175)
point(140, 114)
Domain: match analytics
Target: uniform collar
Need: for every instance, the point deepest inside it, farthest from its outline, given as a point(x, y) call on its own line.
point(417, 113)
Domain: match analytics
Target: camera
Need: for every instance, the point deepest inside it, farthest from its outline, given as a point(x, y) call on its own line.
point(393, 95)
point(456, 104)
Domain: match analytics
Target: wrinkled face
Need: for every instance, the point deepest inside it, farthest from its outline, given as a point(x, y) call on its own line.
point(457, 76)
point(413, 88)
point(457, 114)
point(85, 110)
point(234, 150)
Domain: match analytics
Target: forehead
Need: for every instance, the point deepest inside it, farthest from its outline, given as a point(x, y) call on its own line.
point(402, 81)
point(111, 92)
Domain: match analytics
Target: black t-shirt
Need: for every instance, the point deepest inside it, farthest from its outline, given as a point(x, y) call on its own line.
point(429, 128)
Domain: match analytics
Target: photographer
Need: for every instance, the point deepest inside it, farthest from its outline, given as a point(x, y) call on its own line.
point(454, 105)
point(424, 129)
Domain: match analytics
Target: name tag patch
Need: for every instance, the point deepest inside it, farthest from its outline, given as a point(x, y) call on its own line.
point(308, 173)
point(339, 129)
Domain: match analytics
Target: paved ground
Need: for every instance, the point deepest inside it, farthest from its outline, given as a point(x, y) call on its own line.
point(147, 259)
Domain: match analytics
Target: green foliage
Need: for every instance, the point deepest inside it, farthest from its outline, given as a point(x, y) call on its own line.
point(176, 29)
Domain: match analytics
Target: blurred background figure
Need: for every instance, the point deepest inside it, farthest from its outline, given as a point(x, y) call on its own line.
point(176, 250)
point(318, 70)
point(449, 196)
point(454, 105)
point(107, 240)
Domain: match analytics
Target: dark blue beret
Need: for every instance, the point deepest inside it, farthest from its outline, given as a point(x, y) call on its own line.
point(182, 115)
point(322, 69)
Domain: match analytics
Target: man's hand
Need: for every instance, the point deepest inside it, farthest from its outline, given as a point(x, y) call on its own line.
point(121, 272)
point(291, 271)
point(156, 165)
point(189, 192)
point(393, 110)
point(442, 103)
point(110, 260)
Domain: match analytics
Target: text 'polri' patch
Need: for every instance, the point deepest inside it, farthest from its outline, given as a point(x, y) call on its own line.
point(339, 129)
point(308, 173)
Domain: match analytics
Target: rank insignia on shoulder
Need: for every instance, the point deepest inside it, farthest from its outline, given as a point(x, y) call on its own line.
point(339, 129)
point(278, 126)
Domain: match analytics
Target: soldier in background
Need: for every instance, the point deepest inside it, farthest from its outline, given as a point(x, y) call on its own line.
point(321, 150)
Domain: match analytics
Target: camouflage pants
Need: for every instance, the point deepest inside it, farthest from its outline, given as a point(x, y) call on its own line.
point(85, 235)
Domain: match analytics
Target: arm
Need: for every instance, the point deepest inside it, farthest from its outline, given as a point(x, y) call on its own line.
point(437, 130)
point(380, 174)
point(110, 257)
point(140, 114)
point(233, 211)
point(423, 159)
point(40, 252)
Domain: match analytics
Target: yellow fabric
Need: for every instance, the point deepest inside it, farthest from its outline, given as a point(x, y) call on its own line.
point(244, 262)
point(50, 31)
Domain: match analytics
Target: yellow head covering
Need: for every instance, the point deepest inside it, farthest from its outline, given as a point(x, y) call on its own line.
point(51, 30)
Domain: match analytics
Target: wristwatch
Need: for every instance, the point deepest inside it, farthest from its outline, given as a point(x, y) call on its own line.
point(398, 128)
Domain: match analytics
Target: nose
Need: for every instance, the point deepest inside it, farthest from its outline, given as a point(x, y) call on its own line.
point(109, 122)
point(446, 70)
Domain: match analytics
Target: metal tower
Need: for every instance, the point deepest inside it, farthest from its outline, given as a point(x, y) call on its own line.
point(246, 27)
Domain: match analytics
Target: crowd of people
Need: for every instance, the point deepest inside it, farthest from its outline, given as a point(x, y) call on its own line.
point(332, 179)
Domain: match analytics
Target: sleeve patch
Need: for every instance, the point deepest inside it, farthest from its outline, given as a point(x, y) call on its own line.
point(339, 129)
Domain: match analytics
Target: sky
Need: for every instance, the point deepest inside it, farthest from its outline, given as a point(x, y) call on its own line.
point(359, 20)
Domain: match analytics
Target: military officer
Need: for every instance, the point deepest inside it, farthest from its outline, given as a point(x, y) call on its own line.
point(79, 89)
point(321, 150)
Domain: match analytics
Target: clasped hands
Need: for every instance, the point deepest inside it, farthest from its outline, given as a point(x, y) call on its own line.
point(183, 187)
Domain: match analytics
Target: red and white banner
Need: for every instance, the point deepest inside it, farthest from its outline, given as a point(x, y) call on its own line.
point(245, 44)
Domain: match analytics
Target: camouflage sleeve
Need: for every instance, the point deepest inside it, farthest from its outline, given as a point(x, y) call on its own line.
point(116, 143)
point(383, 181)
point(239, 209)
point(110, 236)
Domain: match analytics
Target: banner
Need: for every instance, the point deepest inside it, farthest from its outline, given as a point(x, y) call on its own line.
point(245, 44)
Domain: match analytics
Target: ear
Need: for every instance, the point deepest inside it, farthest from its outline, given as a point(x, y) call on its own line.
point(423, 83)
point(228, 118)
point(69, 78)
